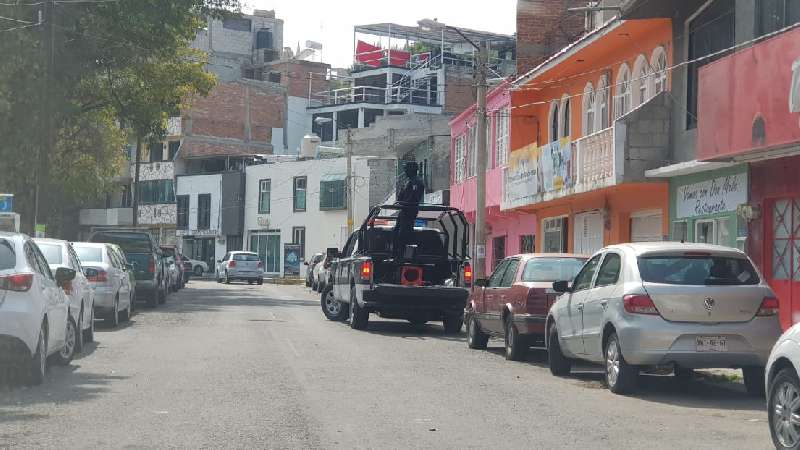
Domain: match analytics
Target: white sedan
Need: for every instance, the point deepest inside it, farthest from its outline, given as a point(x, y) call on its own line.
point(33, 307)
point(783, 389)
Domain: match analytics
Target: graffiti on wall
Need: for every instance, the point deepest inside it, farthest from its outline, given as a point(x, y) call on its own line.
point(534, 170)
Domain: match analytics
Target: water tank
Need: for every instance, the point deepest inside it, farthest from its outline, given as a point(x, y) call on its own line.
point(308, 149)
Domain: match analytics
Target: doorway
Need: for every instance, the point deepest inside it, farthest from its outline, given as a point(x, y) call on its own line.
point(268, 248)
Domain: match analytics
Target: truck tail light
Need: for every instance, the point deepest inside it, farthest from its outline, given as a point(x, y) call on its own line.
point(640, 304)
point(151, 265)
point(231, 264)
point(468, 274)
point(96, 275)
point(366, 270)
point(20, 282)
point(769, 307)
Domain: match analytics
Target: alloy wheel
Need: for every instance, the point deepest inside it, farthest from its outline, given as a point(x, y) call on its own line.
point(612, 362)
point(332, 305)
point(42, 350)
point(786, 415)
point(69, 345)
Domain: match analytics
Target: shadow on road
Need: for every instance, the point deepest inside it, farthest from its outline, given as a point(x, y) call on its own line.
point(405, 330)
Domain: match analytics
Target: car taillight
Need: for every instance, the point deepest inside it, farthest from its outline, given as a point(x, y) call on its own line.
point(151, 265)
point(468, 275)
point(231, 263)
point(20, 282)
point(366, 270)
point(639, 304)
point(97, 276)
point(769, 307)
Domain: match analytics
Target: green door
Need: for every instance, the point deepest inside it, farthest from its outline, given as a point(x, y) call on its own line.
point(268, 248)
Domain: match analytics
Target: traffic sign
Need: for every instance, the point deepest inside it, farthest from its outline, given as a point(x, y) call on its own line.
point(6, 203)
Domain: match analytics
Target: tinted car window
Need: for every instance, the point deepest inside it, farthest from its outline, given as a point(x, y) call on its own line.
point(497, 276)
point(584, 278)
point(245, 257)
point(511, 273)
point(89, 254)
point(52, 253)
point(551, 269)
point(609, 270)
point(129, 242)
point(697, 270)
point(8, 258)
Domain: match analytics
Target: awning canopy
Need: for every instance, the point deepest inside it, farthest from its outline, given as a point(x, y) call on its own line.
point(686, 168)
point(432, 36)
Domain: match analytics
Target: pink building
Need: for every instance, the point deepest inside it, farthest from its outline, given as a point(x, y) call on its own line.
point(507, 232)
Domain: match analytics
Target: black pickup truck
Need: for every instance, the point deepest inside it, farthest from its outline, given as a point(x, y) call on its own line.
point(428, 281)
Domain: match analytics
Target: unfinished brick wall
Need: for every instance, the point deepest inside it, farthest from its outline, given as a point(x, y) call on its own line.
point(459, 91)
point(294, 76)
point(225, 111)
point(544, 27)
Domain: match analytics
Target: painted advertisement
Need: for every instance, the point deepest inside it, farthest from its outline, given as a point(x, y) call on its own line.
point(536, 170)
point(292, 257)
point(717, 195)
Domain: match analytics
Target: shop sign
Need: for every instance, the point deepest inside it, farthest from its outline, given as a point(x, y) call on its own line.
point(263, 221)
point(717, 195)
point(536, 170)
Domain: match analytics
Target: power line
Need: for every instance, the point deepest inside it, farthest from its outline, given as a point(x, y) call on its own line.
point(19, 28)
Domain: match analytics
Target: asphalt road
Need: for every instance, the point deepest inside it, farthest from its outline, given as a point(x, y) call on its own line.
point(259, 367)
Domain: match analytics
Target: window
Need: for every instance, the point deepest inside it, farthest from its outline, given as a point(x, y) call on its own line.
point(237, 24)
point(275, 77)
point(555, 234)
point(52, 253)
point(565, 125)
point(460, 169)
point(8, 257)
point(156, 191)
point(602, 94)
point(264, 187)
point(711, 31)
point(589, 101)
point(252, 257)
point(182, 212)
point(89, 254)
point(264, 39)
point(299, 237)
point(510, 276)
point(472, 151)
point(584, 278)
point(234, 242)
point(703, 270)
point(203, 211)
point(498, 249)
point(526, 243)
point(501, 135)
point(156, 150)
point(680, 231)
point(299, 195)
point(776, 14)
point(622, 99)
point(551, 269)
point(658, 64)
point(608, 274)
point(333, 194)
point(173, 149)
point(496, 278)
point(704, 231)
point(553, 121)
point(639, 84)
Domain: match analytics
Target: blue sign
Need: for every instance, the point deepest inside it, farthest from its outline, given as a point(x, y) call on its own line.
point(420, 223)
point(6, 203)
point(292, 257)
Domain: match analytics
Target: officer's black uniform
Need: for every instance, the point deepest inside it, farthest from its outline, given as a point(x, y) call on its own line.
point(411, 195)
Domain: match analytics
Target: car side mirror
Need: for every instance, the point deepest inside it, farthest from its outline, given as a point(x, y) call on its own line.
point(333, 253)
point(562, 286)
point(481, 282)
point(64, 275)
point(305, 263)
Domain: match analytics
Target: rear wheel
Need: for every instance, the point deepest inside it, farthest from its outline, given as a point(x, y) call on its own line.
point(620, 376)
point(38, 365)
point(332, 308)
point(113, 317)
point(476, 339)
point(260, 281)
point(64, 357)
point(453, 324)
point(88, 335)
point(359, 318)
point(783, 408)
point(227, 278)
point(560, 365)
point(515, 345)
point(754, 380)
point(198, 271)
point(79, 334)
point(125, 315)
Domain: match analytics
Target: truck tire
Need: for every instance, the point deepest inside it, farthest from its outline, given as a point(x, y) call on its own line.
point(359, 319)
point(453, 324)
point(332, 308)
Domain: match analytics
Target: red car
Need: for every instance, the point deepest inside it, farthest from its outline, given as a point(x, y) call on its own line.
point(513, 302)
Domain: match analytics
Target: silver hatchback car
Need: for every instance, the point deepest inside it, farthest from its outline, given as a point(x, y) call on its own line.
point(664, 305)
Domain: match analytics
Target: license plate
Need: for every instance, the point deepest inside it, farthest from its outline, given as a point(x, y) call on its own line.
point(712, 344)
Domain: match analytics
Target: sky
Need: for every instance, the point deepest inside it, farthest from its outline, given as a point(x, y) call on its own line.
point(331, 22)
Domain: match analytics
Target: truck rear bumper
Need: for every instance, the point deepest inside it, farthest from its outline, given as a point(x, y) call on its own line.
point(396, 298)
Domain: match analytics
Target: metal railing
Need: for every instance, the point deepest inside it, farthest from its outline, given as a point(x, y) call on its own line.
point(380, 95)
point(595, 158)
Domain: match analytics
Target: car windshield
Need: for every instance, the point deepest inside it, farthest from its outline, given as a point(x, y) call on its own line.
point(245, 257)
point(52, 253)
point(129, 242)
point(552, 269)
point(8, 258)
point(89, 254)
point(697, 270)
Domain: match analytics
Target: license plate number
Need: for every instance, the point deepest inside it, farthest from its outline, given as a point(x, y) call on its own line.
point(712, 344)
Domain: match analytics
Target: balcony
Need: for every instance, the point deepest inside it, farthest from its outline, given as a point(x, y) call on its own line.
point(160, 170)
point(394, 95)
point(595, 161)
point(110, 217)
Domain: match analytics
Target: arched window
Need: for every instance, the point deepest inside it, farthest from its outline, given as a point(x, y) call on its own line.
point(566, 125)
point(622, 99)
point(553, 121)
point(588, 109)
point(658, 63)
point(639, 83)
point(602, 95)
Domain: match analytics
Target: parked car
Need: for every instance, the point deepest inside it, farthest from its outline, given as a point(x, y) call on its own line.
point(198, 267)
point(35, 322)
point(110, 275)
point(684, 306)
point(188, 269)
point(321, 273)
point(173, 270)
point(244, 266)
point(80, 292)
point(783, 390)
point(513, 302)
point(129, 270)
point(427, 282)
point(310, 264)
point(147, 260)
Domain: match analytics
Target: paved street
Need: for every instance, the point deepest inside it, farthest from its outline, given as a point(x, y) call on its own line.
point(259, 367)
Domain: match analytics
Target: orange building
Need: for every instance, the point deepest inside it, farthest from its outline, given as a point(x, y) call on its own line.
point(585, 126)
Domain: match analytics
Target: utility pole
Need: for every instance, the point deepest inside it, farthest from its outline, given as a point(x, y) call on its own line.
point(349, 191)
point(47, 147)
point(135, 187)
point(480, 166)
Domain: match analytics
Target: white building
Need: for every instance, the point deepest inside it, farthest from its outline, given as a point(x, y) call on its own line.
point(304, 202)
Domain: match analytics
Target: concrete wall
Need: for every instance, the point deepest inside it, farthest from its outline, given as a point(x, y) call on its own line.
point(646, 137)
point(193, 185)
point(299, 124)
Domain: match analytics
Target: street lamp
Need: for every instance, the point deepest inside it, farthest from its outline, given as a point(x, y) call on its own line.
point(349, 179)
point(480, 203)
